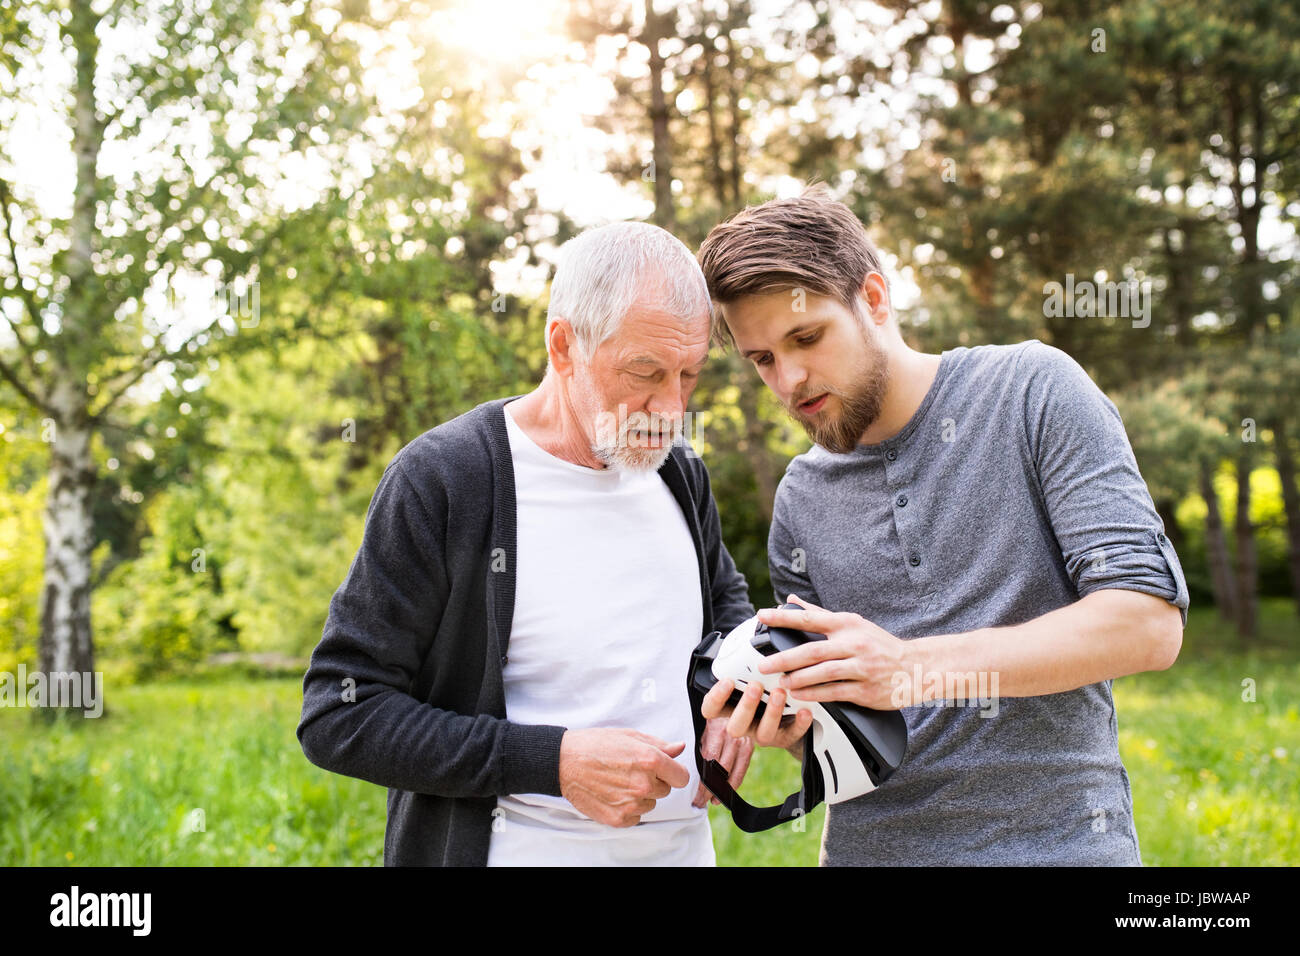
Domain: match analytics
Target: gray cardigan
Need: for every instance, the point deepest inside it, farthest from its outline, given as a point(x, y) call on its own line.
point(405, 688)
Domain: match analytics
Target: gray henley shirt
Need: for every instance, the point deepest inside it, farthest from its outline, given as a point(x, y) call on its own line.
point(1011, 492)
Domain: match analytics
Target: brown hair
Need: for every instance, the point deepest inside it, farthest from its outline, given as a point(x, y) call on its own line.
point(812, 242)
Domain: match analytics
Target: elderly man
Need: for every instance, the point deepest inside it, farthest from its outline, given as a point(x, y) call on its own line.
point(507, 652)
point(978, 522)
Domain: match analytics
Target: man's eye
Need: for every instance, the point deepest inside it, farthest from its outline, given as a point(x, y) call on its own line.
point(763, 360)
point(809, 339)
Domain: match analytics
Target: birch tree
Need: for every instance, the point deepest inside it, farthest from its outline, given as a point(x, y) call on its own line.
point(199, 131)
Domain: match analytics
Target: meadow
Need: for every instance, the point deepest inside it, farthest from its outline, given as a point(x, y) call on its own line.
point(206, 771)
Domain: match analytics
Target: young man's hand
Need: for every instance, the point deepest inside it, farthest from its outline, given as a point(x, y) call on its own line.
point(859, 662)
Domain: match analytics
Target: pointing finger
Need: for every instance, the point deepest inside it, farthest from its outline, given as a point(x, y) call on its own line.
point(816, 621)
point(805, 655)
point(796, 599)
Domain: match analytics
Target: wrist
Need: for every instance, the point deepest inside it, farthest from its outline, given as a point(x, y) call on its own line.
point(930, 661)
point(914, 685)
point(568, 744)
point(531, 758)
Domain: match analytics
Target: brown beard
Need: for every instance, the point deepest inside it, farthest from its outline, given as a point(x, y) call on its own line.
point(860, 404)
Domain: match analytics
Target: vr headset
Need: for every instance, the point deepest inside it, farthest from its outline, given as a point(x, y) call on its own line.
point(848, 751)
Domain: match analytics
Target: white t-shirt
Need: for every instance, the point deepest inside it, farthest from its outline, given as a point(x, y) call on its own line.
point(607, 610)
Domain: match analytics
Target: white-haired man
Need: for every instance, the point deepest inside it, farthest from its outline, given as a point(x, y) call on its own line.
point(507, 654)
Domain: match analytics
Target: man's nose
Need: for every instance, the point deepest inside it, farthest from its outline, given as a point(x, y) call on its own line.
point(669, 401)
point(790, 377)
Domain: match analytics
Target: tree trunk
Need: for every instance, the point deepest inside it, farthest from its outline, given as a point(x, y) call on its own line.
point(1291, 502)
point(754, 445)
point(66, 645)
point(979, 265)
point(1180, 282)
point(732, 75)
point(1247, 214)
point(1216, 549)
point(1165, 509)
point(718, 170)
point(665, 216)
point(1247, 598)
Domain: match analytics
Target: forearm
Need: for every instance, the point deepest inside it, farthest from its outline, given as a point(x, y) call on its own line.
point(1107, 634)
point(362, 718)
point(354, 722)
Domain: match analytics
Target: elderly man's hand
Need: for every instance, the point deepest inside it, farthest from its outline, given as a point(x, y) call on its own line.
point(614, 776)
point(733, 753)
point(773, 730)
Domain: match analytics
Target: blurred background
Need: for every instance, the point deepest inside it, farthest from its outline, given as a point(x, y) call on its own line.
point(250, 249)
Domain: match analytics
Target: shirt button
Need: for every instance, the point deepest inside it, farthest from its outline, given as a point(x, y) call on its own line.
point(891, 454)
point(915, 560)
point(902, 501)
point(1160, 537)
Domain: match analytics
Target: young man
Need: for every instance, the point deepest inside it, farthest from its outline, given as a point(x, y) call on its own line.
point(508, 652)
point(977, 522)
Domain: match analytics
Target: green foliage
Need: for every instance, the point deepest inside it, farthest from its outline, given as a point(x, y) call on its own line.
point(21, 548)
point(381, 316)
point(156, 610)
point(1163, 424)
point(247, 555)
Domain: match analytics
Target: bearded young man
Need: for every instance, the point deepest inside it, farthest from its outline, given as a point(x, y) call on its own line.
point(976, 524)
point(508, 650)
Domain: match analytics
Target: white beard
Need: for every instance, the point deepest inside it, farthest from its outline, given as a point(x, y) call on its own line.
point(621, 441)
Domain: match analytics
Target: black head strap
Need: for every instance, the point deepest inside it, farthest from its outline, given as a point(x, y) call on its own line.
point(748, 817)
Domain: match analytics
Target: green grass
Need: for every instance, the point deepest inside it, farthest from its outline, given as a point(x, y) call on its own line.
point(1216, 779)
point(124, 789)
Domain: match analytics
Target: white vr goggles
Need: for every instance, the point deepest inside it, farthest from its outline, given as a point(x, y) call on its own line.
point(849, 751)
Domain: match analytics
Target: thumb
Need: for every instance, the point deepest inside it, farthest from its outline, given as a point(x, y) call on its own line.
point(673, 750)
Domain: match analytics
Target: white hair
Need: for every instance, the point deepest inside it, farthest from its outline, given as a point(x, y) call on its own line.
point(604, 271)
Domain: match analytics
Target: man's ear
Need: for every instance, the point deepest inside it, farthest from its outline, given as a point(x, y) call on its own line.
point(562, 346)
point(875, 298)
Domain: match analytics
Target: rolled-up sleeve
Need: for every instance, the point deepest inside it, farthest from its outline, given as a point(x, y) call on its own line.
point(1100, 509)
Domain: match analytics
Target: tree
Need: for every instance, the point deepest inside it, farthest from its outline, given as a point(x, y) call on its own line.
point(190, 123)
